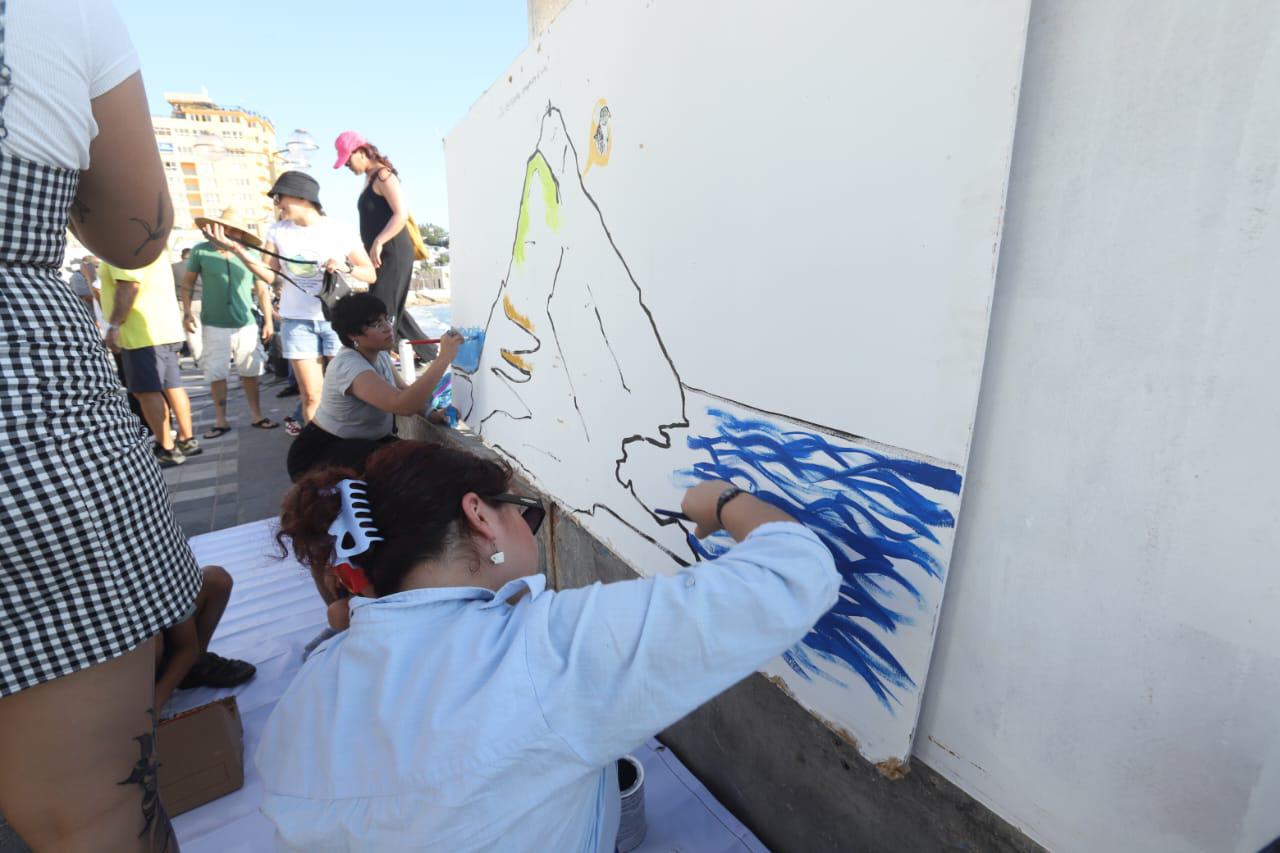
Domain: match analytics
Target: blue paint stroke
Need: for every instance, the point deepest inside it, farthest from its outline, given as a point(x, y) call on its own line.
point(865, 508)
point(468, 357)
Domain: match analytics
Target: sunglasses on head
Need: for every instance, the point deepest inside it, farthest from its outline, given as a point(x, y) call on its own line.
point(533, 513)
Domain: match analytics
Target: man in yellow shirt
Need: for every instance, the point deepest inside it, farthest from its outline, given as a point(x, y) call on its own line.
point(144, 325)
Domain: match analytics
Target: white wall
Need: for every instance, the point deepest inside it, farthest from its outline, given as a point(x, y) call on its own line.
point(1107, 669)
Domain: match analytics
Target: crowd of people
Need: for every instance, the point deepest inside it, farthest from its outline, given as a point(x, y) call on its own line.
point(458, 704)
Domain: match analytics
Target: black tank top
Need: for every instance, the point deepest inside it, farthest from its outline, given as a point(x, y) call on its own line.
point(375, 213)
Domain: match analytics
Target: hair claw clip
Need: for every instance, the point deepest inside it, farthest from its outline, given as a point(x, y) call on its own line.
point(353, 531)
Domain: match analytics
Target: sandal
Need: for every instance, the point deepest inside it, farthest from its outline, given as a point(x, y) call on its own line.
point(217, 431)
point(265, 423)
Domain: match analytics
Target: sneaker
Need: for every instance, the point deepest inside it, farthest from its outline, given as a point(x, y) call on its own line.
point(169, 458)
point(216, 671)
point(190, 447)
point(292, 426)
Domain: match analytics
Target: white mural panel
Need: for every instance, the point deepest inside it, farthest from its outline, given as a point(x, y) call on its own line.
point(753, 243)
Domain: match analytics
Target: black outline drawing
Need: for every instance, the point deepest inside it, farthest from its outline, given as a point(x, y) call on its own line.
point(663, 429)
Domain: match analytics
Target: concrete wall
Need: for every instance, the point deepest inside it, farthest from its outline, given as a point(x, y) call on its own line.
point(542, 13)
point(1107, 668)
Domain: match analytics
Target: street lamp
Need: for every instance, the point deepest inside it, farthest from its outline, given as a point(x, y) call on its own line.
point(294, 153)
point(300, 142)
point(210, 146)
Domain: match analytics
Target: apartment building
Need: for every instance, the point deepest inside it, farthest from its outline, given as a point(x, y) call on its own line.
point(215, 157)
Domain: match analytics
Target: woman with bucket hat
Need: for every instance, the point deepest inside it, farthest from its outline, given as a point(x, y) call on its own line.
point(384, 230)
point(302, 246)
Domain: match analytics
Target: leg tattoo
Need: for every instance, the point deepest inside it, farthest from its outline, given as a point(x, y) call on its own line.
point(155, 823)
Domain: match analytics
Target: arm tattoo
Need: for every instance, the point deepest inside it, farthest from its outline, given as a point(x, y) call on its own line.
point(156, 232)
point(155, 823)
point(80, 209)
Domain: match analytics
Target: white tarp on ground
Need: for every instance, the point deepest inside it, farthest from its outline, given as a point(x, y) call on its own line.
point(274, 611)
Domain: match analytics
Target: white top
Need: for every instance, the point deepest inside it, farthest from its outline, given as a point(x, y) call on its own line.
point(452, 719)
point(310, 246)
point(342, 413)
point(62, 54)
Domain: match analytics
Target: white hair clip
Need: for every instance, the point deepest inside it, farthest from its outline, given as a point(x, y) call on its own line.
point(353, 531)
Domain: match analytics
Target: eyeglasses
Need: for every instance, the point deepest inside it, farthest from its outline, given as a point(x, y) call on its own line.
point(533, 514)
point(383, 324)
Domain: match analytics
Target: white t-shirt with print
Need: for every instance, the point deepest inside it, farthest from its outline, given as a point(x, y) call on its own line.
point(62, 54)
point(309, 247)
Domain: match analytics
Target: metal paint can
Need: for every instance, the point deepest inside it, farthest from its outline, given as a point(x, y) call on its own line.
point(631, 825)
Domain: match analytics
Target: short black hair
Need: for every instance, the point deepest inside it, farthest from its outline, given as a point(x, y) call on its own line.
point(352, 313)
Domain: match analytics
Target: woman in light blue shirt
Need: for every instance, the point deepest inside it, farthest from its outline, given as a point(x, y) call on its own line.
point(468, 707)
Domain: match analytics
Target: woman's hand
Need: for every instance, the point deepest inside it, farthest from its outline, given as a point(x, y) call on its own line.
point(450, 343)
point(699, 505)
point(375, 253)
point(217, 234)
point(337, 265)
point(742, 513)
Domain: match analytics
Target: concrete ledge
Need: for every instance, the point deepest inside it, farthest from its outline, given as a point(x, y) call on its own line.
point(797, 785)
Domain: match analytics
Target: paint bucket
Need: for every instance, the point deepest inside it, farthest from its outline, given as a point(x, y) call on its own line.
point(407, 372)
point(631, 825)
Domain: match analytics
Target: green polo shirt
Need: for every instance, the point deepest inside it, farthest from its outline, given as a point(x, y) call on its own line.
point(228, 287)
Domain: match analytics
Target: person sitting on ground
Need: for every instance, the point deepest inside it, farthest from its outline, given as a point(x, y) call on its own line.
point(362, 391)
point(144, 326)
point(469, 705)
point(226, 325)
point(183, 659)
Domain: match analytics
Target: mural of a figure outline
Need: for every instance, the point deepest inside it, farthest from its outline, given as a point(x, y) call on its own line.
point(589, 353)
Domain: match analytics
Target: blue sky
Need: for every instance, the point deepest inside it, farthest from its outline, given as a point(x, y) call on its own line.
point(403, 74)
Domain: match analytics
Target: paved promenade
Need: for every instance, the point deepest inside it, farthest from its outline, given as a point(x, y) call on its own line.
point(240, 477)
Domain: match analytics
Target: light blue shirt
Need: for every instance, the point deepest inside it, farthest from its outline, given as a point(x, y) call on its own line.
point(451, 719)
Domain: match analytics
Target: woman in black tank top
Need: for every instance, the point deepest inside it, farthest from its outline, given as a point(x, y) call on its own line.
point(383, 219)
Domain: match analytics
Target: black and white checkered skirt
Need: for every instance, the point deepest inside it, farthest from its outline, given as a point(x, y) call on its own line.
point(92, 561)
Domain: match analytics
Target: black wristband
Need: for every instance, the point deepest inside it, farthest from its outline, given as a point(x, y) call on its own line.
point(726, 496)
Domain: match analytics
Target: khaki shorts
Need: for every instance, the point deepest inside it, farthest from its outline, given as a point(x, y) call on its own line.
point(223, 347)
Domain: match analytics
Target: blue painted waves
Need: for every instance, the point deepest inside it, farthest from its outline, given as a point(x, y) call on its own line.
point(870, 509)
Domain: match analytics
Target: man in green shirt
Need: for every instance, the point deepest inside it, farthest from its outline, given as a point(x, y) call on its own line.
point(229, 331)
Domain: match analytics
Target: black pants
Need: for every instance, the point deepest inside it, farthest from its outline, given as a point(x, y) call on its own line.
point(314, 449)
point(392, 287)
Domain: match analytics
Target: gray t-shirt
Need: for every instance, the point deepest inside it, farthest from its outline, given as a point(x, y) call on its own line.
point(80, 285)
point(346, 415)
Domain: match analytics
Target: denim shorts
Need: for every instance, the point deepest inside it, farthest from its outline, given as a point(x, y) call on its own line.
point(308, 339)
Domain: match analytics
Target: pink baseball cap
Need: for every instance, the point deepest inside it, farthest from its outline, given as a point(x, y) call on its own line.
point(347, 142)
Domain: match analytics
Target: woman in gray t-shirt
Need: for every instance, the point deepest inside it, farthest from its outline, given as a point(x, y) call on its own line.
point(362, 392)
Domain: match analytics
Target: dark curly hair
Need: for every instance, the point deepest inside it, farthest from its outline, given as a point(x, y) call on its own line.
point(384, 162)
point(351, 314)
point(415, 491)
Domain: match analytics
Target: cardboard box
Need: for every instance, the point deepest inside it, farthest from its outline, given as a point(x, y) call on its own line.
point(201, 754)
